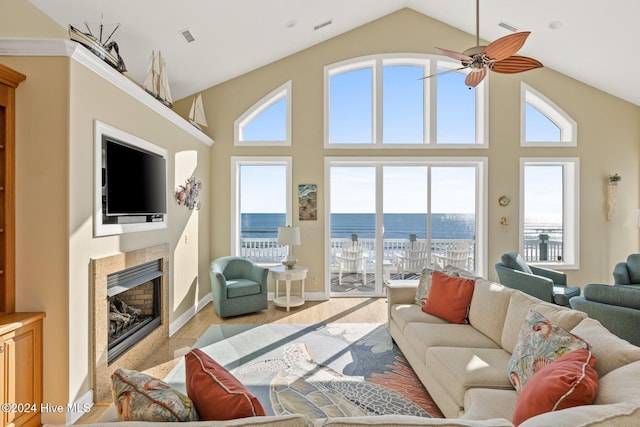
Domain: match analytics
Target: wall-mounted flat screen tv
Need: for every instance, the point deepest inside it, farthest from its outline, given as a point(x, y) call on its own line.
point(134, 180)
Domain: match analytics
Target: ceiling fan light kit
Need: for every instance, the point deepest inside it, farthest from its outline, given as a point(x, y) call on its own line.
point(499, 56)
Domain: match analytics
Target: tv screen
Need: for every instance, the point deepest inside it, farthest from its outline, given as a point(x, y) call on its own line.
point(135, 180)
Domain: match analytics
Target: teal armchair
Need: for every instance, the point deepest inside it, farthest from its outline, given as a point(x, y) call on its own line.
point(544, 283)
point(628, 273)
point(616, 307)
point(238, 286)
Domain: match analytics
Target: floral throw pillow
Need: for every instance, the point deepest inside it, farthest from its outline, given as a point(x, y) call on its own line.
point(539, 343)
point(423, 286)
point(140, 397)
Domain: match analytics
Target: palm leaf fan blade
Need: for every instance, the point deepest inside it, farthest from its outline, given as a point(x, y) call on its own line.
point(516, 64)
point(475, 77)
point(506, 46)
point(454, 55)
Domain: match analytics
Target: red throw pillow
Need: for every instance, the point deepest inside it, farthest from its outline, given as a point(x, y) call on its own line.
point(215, 392)
point(564, 383)
point(449, 297)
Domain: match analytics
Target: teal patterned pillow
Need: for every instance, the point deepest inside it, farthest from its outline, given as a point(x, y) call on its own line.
point(540, 342)
point(140, 397)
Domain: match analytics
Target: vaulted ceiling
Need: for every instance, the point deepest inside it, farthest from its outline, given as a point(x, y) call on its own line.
point(589, 40)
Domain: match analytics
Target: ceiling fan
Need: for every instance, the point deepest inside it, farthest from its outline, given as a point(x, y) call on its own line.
point(498, 56)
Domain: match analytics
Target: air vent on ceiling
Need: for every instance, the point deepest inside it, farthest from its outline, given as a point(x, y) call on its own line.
point(187, 35)
point(508, 26)
point(323, 24)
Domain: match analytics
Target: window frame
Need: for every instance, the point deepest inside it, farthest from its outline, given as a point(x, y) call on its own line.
point(431, 63)
point(236, 163)
point(282, 92)
point(570, 209)
point(482, 187)
point(567, 125)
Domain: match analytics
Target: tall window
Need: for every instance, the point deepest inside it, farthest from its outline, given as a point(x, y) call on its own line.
point(543, 123)
point(550, 217)
point(388, 205)
point(385, 101)
point(261, 202)
point(268, 121)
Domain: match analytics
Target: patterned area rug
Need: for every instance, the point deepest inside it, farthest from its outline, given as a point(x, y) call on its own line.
point(338, 369)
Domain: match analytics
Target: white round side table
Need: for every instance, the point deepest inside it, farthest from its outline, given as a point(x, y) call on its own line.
point(289, 274)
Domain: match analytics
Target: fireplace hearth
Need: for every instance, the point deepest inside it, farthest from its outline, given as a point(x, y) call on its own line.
point(131, 311)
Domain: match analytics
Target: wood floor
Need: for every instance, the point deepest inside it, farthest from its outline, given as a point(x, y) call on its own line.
point(337, 310)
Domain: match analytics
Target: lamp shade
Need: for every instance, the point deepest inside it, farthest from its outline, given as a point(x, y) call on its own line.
point(289, 236)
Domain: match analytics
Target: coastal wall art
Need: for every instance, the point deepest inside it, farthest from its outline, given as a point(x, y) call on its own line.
point(307, 202)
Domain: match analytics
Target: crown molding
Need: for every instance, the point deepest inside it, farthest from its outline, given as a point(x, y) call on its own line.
point(77, 52)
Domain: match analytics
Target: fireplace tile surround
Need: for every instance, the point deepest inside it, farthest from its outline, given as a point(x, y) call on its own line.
point(100, 269)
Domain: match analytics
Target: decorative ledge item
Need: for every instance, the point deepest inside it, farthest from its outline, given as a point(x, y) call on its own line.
point(106, 50)
point(187, 194)
point(612, 191)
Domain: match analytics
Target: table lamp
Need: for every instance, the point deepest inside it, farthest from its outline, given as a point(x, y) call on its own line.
point(289, 236)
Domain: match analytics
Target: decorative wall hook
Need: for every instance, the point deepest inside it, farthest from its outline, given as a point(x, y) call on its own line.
point(187, 194)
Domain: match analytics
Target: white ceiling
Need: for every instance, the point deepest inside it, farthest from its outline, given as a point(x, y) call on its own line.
point(594, 44)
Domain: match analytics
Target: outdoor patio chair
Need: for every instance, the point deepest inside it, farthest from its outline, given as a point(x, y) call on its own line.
point(351, 259)
point(457, 254)
point(414, 259)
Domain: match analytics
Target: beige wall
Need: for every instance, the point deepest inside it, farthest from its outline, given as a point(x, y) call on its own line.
point(608, 130)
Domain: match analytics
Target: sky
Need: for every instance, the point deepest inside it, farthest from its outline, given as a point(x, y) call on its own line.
point(351, 112)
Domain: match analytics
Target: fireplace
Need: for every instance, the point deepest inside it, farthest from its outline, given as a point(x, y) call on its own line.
point(133, 304)
point(136, 279)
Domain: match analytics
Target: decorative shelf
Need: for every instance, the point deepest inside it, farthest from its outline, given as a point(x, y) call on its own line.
point(77, 52)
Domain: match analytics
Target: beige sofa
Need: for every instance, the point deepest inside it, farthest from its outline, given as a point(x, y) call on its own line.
point(464, 367)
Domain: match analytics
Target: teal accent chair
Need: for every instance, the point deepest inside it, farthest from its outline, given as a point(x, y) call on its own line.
point(616, 307)
point(544, 283)
point(238, 285)
point(628, 273)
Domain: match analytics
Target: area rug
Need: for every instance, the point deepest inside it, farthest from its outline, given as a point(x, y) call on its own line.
point(337, 369)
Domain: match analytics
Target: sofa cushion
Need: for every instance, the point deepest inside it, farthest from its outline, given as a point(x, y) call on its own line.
point(612, 352)
point(620, 385)
point(241, 288)
point(421, 336)
point(519, 306)
point(140, 397)
point(403, 314)
point(567, 382)
point(409, 421)
point(217, 394)
point(540, 342)
point(484, 403)
point(633, 267)
point(459, 369)
point(494, 295)
point(514, 261)
point(449, 297)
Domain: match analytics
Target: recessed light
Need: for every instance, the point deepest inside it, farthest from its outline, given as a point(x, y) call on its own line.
point(292, 23)
point(555, 25)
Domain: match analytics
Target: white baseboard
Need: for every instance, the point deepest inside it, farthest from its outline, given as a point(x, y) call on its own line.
point(80, 407)
point(177, 324)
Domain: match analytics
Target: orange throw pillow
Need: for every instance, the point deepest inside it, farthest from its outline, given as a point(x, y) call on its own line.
point(215, 392)
point(449, 297)
point(564, 383)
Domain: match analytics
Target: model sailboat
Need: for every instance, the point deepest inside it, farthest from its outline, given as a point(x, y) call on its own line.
point(156, 83)
point(196, 113)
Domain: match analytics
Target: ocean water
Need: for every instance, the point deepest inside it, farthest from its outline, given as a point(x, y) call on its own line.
point(397, 226)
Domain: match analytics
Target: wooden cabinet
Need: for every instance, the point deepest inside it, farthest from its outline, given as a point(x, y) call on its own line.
point(20, 333)
point(21, 358)
point(9, 81)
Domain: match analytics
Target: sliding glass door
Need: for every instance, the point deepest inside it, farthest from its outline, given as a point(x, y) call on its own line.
point(388, 219)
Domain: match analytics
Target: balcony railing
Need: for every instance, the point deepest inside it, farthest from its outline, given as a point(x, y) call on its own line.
point(267, 250)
